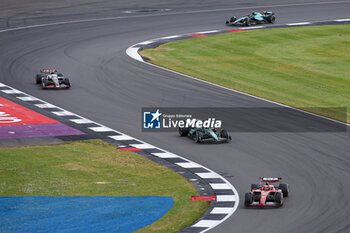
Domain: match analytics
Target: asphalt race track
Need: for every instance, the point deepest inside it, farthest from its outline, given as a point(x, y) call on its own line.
point(111, 88)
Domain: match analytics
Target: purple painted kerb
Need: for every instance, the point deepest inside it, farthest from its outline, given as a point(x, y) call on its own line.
point(37, 130)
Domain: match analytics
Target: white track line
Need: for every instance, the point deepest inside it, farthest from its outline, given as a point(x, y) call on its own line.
point(146, 42)
point(101, 129)
point(189, 165)
point(207, 32)
point(45, 105)
point(133, 52)
point(166, 155)
point(170, 37)
point(342, 20)
point(14, 91)
point(208, 175)
point(297, 24)
point(143, 146)
point(219, 186)
point(81, 121)
point(207, 223)
point(28, 98)
point(63, 113)
point(122, 137)
point(225, 198)
point(220, 210)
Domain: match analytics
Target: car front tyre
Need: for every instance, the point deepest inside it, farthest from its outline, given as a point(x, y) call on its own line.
point(285, 189)
point(248, 199)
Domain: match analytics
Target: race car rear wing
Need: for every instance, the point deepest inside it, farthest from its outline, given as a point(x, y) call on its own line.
point(270, 179)
point(48, 70)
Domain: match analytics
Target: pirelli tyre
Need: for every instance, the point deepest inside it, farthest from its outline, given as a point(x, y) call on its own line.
point(285, 189)
point(38, 79)
point(67, 82)
point(232, 19)
point(278, 198)
point(271, 19)
point(224, 134)
point(248, 199)
point(247, 22)
point(183, 131)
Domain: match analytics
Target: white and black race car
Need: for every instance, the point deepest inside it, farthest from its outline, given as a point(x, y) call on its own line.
point(49, 78)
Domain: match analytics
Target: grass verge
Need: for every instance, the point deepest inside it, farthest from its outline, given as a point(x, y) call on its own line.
point(304, 67)
point(95, 168)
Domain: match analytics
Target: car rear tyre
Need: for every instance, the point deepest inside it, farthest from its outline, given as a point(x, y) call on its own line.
point(38, 79)
point(254, 186)
point(285, 189)
point(232, 19)
point(224, 134)
point(271, 19)
point(183, 131)
point(248, 199)
point(248, 22)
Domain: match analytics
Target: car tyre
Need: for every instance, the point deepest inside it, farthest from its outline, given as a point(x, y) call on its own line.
point(67, 82)
point(285, 189)
point(278, 198)
point(271, 19)
point(248, 199)
point(224, 134)
point(184, 131)
point(248, 22)
point(38, 79)
point(232, 19)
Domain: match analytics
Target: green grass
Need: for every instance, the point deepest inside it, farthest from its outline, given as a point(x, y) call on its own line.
point(304, 67)
point(76, 168)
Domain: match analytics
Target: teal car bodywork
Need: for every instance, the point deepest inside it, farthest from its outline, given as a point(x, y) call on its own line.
point(205, 134)
point(253, 18)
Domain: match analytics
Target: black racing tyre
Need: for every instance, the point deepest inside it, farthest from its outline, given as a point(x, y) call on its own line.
point(254, 186)
point(38, 79)
point(271, 19)
point(248, 199)
point(278, 197)
point(184, 131)
point(247, 22)
point(285, 189)
point(232, 19)
point(224, 134)
point(198, 137)
point(67, 82)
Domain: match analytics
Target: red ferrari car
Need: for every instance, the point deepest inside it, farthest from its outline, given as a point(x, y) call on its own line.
point(268, 192)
